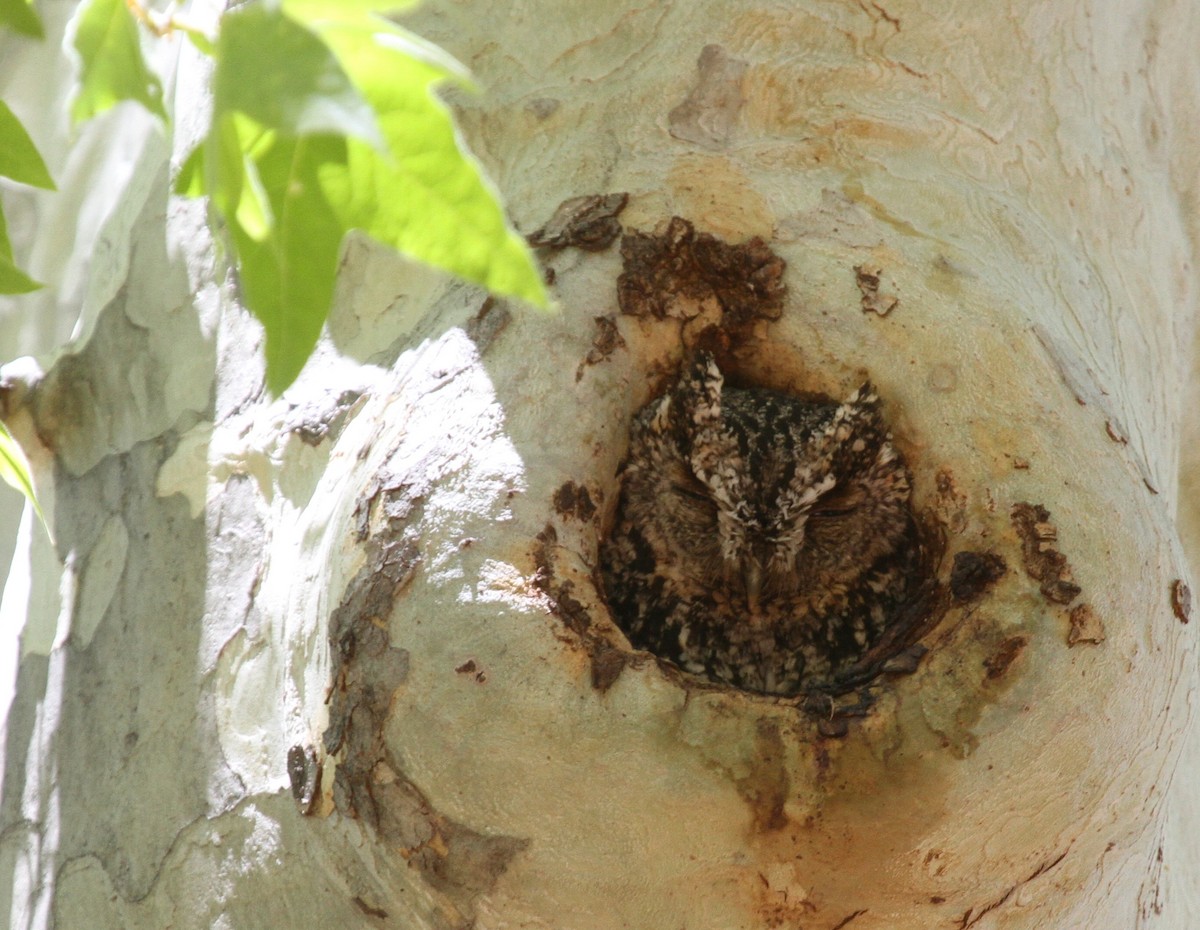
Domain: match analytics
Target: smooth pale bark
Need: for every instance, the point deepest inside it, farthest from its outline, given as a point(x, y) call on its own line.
point(1021, 176)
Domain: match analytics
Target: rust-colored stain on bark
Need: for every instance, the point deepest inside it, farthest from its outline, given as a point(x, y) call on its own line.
point(607, 661)
point(766, 788)
point(999, 662)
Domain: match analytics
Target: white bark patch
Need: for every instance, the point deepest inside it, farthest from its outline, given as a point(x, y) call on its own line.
point(100, 575)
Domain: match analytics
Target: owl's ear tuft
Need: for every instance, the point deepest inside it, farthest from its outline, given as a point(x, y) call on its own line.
point(862, 409)
point(698, 394)
point(708, 446)
point(856, 424)
point(865, 396)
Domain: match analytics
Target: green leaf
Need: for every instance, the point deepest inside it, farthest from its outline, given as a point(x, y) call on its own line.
point(112, 66)
point(190, 182)
point(203, 43)
point(12, 279)
point(19, 158)
point(346, 12)
point(315, 134)
point(14, 471)
point(284, 231)
point(20, 16)
point(283, 77)
point(428, 199)
point(288, 277)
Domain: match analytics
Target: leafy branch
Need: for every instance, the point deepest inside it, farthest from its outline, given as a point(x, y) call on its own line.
point(325, 120)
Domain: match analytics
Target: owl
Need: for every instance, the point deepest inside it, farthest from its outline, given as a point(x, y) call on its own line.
point(761, 540)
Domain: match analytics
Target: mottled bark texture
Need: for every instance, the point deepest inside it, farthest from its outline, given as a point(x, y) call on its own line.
point(341, 658)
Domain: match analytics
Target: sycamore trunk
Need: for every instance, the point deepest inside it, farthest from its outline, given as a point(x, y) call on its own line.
point(340, 658)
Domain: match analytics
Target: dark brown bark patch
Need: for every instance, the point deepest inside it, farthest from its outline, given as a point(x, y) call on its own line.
point(367, 668)
point(607, 661)
point(1042, 560)
point(681, 272)
point(304, 773)
point(974, 572)
point(564, 605)
point(368, 784)
point(573, 500)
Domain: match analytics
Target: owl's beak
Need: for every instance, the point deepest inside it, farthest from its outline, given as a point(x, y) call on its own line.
point(752, 579)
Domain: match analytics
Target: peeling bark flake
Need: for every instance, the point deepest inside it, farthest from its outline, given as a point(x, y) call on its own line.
point(868, 278)
point(1181, 601)
point(1043, 562)
point(470, 667)
point(588, 223)
point(606, 340)
point(1086, 626)
point(321, 417)
point(709, 113)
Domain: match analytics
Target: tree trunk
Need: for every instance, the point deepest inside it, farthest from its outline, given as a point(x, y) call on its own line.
point(341, 658)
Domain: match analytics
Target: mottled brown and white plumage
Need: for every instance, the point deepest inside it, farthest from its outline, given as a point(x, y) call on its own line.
point(761, 540)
